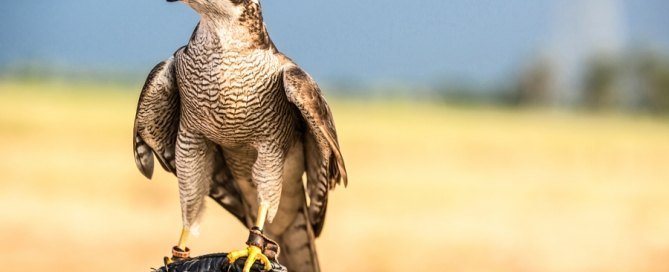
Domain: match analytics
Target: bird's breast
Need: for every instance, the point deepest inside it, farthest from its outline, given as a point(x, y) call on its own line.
point(229, 96)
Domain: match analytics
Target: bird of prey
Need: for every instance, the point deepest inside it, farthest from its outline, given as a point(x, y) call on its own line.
point(236, 120)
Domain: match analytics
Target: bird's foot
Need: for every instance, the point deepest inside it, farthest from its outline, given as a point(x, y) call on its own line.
point(259, 248)
point(252, 253)
point(178, 254)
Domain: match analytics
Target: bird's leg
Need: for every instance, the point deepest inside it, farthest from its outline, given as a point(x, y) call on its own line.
point(182, 239)
point(256, 243)
point(180, 251)
point(267, 174)
point(194, 156)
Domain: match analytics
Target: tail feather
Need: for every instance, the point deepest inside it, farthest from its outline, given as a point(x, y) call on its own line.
point(298, 247)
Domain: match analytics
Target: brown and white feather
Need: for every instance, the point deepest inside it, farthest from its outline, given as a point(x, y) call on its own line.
point(236, 120)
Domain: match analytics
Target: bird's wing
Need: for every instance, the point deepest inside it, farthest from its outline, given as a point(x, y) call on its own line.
point(324, 162)
point(157, 120)
point(155, 132)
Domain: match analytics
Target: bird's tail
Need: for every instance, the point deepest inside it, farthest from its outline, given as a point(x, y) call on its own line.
point(298, 247)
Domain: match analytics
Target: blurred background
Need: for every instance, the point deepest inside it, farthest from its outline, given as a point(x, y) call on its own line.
point(479, 135)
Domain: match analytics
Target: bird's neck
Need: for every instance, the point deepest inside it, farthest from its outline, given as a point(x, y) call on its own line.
point(234, 33)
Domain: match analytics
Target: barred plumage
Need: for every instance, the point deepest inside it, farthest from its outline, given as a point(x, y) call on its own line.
point(236, 120)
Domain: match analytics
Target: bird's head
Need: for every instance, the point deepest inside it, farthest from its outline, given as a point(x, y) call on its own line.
point(226, 8)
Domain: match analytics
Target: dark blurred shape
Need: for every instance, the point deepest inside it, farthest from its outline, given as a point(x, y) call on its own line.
point(652, 71)
point(599, 83)
point(635, 80)
point(535, 85)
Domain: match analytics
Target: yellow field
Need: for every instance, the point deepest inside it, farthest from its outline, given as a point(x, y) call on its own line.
point(432, 188)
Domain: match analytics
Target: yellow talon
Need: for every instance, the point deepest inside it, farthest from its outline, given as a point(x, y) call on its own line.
point(252, 253)
point(180, 251)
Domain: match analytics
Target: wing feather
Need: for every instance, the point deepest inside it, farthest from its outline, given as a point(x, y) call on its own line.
point(324, 161)
point(157, 120)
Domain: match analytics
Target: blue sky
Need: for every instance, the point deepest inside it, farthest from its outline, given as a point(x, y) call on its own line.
point(370, 41)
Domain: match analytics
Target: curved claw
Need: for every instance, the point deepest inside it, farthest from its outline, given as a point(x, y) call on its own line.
point(252, 253)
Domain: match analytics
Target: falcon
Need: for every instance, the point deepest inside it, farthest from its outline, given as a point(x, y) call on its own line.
point(236, 120)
